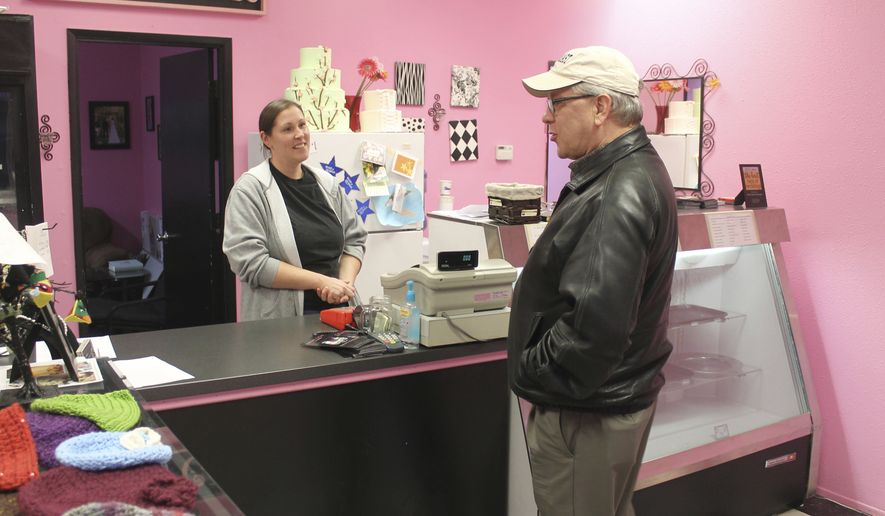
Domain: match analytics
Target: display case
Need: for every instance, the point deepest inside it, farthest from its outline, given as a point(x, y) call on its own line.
point(738, 406)
point(738, 409)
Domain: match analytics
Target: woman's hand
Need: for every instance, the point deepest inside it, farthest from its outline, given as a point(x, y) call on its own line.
point(335, 291)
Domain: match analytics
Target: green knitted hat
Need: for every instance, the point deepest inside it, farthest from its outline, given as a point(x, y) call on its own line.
point(114, 411)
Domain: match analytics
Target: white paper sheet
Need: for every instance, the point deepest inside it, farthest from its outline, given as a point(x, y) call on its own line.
point(141, 372)
point(14, 250)
point(474, 211)
point(38, 239)
point(729, 229)
point(101, 345)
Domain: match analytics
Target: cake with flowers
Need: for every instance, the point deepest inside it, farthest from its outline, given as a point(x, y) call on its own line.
point(316, 86)
point(379, 114)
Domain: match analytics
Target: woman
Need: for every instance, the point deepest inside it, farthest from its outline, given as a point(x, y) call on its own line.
point(290, 234)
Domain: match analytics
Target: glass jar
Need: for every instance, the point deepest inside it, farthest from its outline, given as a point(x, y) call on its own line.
point(382, 311)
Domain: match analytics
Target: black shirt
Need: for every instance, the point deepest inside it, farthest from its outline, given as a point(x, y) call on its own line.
point(318, 232)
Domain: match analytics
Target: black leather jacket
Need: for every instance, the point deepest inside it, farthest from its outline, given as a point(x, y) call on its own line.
point(588, 327)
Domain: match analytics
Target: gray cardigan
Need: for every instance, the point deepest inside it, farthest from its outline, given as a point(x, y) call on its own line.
point(258, 235)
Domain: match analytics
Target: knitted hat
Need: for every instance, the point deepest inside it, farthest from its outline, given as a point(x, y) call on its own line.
point(114, 411)
point(64, 487)
point(120, 509)
point(18, 455)
point(49, 430)
point(103, 450)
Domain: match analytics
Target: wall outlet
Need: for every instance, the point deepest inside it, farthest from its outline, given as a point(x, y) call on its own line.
point(504, 152)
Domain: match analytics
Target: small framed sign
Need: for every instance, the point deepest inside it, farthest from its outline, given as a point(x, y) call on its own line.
point(754, 187)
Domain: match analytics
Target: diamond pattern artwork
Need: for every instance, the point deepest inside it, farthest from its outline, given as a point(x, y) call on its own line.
point(463, 140)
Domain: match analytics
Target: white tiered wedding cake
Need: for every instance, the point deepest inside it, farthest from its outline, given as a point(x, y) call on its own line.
point(379, 114)
point(316, 86)
point(681, 118)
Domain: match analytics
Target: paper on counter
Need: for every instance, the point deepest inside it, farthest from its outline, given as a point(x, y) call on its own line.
point(474, 211)
point(142, 372)
point(101, 346)
point(41, 352)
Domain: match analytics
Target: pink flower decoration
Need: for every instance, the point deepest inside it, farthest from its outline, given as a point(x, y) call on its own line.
point(371, 70)
point(368, 67)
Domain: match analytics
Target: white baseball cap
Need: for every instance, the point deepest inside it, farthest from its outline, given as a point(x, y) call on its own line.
point(598, 66)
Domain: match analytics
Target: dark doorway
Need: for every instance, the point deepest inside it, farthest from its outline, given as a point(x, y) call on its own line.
point(162, 195)
point(21, 197)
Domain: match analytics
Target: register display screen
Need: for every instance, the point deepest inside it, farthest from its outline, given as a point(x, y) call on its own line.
point(457, 260)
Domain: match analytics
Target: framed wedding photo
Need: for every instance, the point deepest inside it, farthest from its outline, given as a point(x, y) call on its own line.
point(108, 125)
point(754, 187)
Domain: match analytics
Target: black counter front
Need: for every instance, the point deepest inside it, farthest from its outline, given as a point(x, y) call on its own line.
point(287, 429)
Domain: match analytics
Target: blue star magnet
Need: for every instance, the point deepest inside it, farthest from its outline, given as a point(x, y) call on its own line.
point(362, 208)
point(349, 183)
point(331, 167)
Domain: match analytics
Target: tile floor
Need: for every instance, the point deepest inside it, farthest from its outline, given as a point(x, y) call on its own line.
point(816, 506)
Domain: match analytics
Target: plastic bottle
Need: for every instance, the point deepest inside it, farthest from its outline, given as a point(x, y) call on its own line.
point(409, 321)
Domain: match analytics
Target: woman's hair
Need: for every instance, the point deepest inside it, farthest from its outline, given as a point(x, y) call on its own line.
point(270, 112)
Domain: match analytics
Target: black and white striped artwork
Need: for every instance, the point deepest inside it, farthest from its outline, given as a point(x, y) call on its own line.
point(409, 81)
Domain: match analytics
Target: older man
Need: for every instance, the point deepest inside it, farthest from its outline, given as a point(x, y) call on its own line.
point(588, 328)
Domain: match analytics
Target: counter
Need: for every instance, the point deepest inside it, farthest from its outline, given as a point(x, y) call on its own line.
point(280, 425)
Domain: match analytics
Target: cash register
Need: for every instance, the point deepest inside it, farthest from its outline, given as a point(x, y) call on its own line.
point(461, 298)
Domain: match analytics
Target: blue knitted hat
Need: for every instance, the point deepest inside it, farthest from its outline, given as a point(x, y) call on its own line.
point(104, 450)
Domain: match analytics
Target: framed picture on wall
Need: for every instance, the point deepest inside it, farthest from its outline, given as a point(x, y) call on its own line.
point(149, 113)
point(108, 125)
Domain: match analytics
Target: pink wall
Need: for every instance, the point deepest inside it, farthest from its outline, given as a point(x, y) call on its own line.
point(799, 80)
point(112, 178)
point(800, 96)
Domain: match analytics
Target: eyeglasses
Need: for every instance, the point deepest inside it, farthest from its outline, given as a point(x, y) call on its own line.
point(551, 103)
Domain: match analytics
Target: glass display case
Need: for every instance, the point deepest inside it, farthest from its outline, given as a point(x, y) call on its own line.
point(738, 406)
point(738, 409)
point(733, 367)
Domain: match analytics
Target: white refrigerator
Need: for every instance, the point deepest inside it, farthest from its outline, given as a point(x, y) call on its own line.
point(388, 248)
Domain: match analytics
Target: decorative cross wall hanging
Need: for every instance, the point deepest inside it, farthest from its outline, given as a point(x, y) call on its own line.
point(436, 112)
point(47, 137)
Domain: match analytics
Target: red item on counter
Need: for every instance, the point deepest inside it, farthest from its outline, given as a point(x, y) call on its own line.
point(337, 318)
point(18, 453)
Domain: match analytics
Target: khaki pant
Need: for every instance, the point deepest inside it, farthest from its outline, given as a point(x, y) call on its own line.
point(584, 463)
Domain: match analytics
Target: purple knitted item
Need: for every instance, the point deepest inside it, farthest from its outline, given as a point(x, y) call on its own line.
point(49, 430)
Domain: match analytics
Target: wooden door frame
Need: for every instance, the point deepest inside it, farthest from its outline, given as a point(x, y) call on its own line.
point(223, 48)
